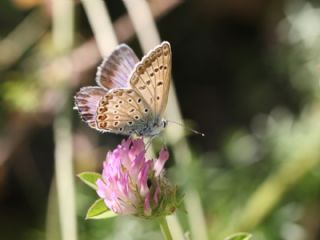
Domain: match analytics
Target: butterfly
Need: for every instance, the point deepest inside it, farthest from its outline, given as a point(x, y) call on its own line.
point(131, 95)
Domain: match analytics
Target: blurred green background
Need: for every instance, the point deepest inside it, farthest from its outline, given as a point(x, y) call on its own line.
point(246, 73)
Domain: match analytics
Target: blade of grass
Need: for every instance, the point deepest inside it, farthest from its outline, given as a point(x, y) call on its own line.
point(101, 25)
point(62, 34)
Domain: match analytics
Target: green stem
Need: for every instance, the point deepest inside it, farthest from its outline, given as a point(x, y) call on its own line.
point(165, 229)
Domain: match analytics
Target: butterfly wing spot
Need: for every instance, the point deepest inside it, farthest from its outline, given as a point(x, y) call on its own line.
point(101, 117)
point(109, 97)
point(153, 56)
point(121, 129)
point(146, 110)
point(156, 69)
point(139, 100)
point(117, 106)
point(143, 87)
point(118, 93)
point(136, 117)
point(101, 109)
point(140, 69)
point(159, 52)
point(116, 123)
point(158, 98)
point(102, 124)
point(134, 79)
point(120, 102)
point(148, 82)
point(159, 83)
point(130, 123)
point(148, 62)
point(166, 49)
point(152, 74)
point(117, 117)
point(132, 110)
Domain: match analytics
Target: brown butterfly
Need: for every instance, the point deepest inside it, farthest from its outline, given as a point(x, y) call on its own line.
point(131, 95)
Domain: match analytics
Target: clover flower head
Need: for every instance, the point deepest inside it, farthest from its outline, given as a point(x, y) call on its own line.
point(132, 184)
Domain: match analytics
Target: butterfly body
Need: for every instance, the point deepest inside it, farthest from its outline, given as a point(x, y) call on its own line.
point(131, 95)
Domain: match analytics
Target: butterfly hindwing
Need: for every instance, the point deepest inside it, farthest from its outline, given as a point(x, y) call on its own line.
point(123, 111)
point(151, 78)
point(115, 70)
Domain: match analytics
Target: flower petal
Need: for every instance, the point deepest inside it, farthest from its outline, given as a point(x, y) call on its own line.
point(158, 165)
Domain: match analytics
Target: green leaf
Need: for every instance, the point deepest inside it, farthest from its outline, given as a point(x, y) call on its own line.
point(99, 210)
point(239, 236)
point(90, 178)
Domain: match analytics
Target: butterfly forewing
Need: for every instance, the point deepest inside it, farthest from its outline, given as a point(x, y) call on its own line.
point(115, 70)
point(151, 78)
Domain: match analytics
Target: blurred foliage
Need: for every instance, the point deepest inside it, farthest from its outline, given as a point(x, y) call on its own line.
point(246, 73)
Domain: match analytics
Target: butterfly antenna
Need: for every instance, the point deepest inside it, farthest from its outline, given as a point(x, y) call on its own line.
point(184, 126)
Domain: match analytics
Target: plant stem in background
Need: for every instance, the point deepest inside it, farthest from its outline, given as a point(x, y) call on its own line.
point(62, 34)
